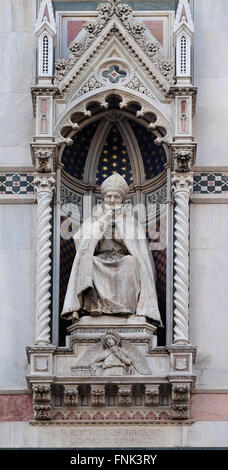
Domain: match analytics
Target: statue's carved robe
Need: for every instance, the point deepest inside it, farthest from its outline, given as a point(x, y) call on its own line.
point(113, 273)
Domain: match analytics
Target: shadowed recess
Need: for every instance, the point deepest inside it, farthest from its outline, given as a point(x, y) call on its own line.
point(74, 157)
point(153, 156)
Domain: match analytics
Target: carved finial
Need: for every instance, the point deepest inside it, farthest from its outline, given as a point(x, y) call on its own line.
point(183, 17)
point(45, 18)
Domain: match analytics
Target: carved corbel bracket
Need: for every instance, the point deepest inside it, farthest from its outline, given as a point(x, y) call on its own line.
point(44, 158)
point(124, 395)
point(180, 400)
point(152, 395)
point(97, 395)
point(42, 401)
point(183, 157)
point(70, 395)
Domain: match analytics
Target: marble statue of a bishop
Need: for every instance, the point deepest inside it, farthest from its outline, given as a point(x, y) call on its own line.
point(113, 271)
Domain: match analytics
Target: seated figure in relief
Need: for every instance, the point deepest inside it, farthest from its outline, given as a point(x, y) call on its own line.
point(113, 271)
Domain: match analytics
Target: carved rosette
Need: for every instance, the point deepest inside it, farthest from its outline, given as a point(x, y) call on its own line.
point(44, 189)
point(97, 395)
point(70, 395)
point(42, 401)
point(182, 187)
point(152, 395)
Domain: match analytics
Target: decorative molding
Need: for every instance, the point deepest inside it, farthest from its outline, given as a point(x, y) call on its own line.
point(182, 187)
point(44, 187)
point(91, 84)
point(136, 84)
point(42, 91)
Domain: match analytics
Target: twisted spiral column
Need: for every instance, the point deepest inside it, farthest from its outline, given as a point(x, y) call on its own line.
point(182, 187)
point(44, 189)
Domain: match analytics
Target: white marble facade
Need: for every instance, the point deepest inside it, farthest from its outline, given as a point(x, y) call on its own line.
point(208, 233)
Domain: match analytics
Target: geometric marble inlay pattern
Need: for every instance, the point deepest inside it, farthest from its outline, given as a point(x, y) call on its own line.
point(14, 183)
point(211, 183)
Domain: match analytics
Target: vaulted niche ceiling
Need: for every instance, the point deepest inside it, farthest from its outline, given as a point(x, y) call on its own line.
point(114, 158)
point(114, 153)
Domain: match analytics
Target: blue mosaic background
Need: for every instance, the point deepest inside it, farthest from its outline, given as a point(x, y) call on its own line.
point(114, 158)
point(74, 157)
point(153, 156)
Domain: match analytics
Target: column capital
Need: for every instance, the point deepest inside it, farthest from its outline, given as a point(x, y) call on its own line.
point(44, 183)
point(183, 183)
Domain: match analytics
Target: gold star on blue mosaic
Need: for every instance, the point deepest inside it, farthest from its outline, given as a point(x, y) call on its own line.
point(111, 160)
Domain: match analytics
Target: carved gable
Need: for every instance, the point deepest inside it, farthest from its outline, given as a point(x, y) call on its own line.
point(117, 49)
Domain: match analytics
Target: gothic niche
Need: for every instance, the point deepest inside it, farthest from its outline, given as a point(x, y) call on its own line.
point(114, 144)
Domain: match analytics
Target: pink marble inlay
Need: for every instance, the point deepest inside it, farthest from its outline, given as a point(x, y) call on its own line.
point(16, 407)
point(209, 407)
point(44, 116)
point(183, 13)
point(46, 13)
point(183, 116)
point(73, 29)
point(156, 28)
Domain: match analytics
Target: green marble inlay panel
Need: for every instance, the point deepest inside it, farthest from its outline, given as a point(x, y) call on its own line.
point(91, 6)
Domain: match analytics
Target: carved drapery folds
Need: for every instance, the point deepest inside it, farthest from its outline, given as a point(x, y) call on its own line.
point(182, 187)
point(44, 186)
